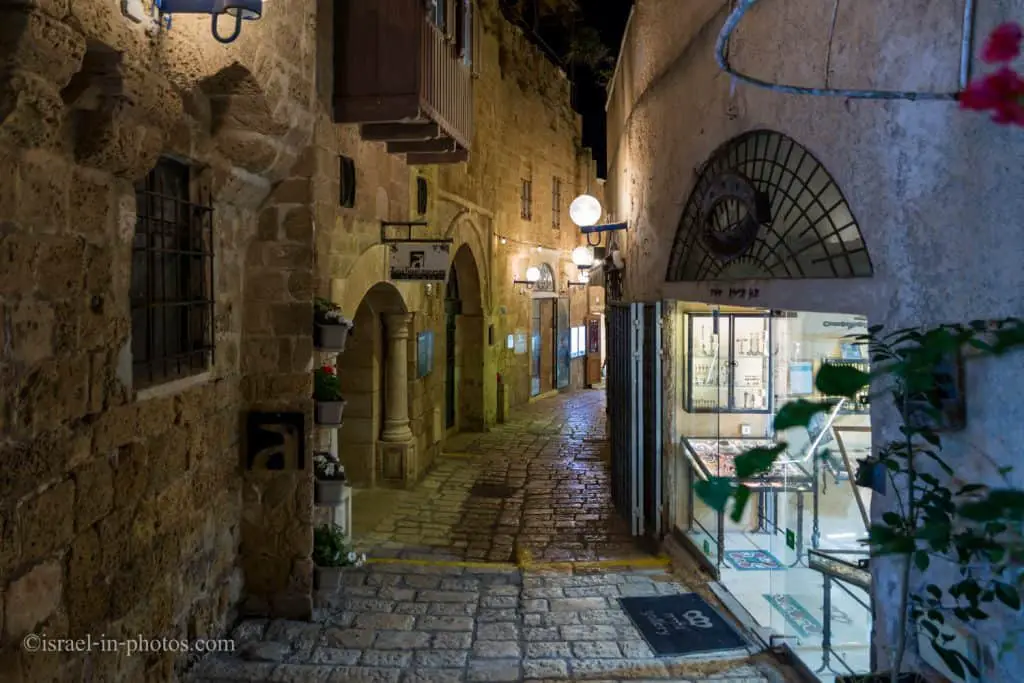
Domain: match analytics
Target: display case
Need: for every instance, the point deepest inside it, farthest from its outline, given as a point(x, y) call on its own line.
point(729, 363)
point(712, 457)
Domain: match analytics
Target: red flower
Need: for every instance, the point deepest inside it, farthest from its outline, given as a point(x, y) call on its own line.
point(1003, 44)
point(328, 369)
point(1001, 92)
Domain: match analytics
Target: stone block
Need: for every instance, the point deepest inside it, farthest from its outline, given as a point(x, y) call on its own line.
point(168, 459)
point(95, 492)
point(253, 152)
point(268, 287)
point(31, 110)
point(17, 254)
point(293, 191)
point(297, 225)
point(288, 256)
point(46, 522)
point(268, 226)
point(91, 206)
point(88, 594)
point(62, 259)
point(40, 44)
point(32, 598)
point(116, 427)
point(10, 550)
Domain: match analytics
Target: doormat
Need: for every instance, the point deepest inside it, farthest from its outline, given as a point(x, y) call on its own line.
point(752, 560)
point(683, 624)
point(795, 614)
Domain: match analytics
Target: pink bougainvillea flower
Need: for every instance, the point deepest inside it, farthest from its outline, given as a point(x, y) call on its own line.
point(1001, 92)
point(1003, 44)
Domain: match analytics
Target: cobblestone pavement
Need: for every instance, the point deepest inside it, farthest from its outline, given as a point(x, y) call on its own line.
point(537, 486)
point(400, 623)
point(538, 483)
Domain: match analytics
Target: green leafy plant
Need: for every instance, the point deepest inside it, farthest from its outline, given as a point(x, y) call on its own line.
point(326, 385)
point(977, 527)
point(332, 549)
point(326, 312)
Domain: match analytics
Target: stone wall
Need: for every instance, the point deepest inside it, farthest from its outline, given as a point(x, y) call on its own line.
point(934, 189)
point(122, 511)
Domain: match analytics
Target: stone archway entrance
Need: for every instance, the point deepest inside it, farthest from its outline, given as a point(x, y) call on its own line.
point(464, 345)
point(376, 443)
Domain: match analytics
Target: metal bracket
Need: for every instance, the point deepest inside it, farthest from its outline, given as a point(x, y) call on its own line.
point(408, 225)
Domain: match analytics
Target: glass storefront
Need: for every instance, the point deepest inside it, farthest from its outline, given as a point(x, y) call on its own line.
point(790, 558)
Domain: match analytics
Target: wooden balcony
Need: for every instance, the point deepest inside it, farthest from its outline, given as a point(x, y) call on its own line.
point(403, 79)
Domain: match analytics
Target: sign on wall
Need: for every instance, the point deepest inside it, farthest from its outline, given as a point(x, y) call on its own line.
point(275, 441)
point(419, 260)
point(424, 353)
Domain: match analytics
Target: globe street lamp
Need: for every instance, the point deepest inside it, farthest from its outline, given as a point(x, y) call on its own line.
point(532, 274)
point(583, 257)
point(585, 210)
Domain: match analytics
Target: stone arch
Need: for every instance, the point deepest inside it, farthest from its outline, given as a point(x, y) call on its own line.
point(764, 207)
point(465, 232)
point(361, 371)
point(465, 338)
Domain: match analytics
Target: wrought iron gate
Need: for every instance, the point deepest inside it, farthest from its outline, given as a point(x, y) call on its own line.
point(625, 405)
point(652, 386)
point(634, 413)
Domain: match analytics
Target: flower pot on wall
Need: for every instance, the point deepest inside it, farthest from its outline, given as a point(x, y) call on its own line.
point(327, 578)
point(329, 412)
point(330, 337)
point(330, 492)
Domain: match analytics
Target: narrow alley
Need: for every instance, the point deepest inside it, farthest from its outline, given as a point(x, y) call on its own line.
point(505, 564)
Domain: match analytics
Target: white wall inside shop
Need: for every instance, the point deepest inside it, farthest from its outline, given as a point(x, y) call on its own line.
point(936, 190)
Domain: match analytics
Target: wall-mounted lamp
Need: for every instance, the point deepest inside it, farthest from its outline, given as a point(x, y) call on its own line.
point(583, 257)
point(241, 10)
point(585, 210)
point(532, 276)
point(582, 276)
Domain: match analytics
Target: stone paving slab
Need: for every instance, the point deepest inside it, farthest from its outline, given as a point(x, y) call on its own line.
point(403, 624)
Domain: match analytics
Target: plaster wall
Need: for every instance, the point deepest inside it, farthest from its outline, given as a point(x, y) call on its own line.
point(122, 511)
point(935, 189)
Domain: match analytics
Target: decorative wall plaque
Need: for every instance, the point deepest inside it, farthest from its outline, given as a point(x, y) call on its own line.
point(275, 441)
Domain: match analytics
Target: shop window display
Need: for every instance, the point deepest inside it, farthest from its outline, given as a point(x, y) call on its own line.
point(807, 513)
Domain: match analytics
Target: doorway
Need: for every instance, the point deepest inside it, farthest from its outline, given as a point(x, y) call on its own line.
point(452, 310)
point(543, 352)
point(464, 346)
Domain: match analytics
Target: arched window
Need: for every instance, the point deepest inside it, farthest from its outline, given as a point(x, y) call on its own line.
point(546, 283)
point(764, 208)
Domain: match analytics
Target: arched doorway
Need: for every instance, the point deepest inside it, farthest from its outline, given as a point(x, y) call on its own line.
point(372, 384)
point(464, 345)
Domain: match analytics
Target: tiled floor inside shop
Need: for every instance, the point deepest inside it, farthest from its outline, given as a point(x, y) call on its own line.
point(505, 564)
point(779, 592)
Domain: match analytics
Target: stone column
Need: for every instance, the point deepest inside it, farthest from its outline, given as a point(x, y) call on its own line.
point(396, 397)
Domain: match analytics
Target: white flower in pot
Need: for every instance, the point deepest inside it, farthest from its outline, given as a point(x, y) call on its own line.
point(332, 554)
point(330, 327)
point(330, 479)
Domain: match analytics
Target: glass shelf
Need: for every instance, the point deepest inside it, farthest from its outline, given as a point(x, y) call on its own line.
point(729, 355)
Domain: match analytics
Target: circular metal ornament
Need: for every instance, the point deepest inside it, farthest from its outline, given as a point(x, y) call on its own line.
point(737, 237)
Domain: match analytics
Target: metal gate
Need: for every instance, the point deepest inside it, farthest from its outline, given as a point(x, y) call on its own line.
point(634, 413)
point(625, 408)
point(651, 415)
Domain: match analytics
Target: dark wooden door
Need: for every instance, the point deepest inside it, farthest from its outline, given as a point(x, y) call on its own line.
point(547, 344)
point(593, 367)
point(452, 309)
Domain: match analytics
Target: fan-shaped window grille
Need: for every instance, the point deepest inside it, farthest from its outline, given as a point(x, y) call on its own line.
point(764, 208)
point(546, 283)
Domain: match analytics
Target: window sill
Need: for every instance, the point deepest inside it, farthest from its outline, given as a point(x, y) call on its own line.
point(173, 387)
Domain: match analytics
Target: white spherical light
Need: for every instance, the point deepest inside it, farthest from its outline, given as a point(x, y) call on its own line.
point(583, 257)
point(532, 274)
point(585, 210)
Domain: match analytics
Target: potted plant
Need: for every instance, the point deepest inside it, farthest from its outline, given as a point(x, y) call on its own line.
point(978, 529)
point(327, 393)
point(330, 327)
point(330, 479)
point(332, 554)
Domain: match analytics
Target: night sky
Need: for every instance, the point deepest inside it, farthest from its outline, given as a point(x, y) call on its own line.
point(608, 17)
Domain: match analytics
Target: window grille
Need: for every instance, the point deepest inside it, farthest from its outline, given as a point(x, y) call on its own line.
point(556, 203)
point(526, 211)
point(172, 278)
point(347, 182)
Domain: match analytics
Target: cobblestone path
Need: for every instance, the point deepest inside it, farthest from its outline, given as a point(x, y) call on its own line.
point(536, 488)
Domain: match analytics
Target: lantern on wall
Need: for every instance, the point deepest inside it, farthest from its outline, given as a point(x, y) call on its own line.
point(583, 257)
point(241, 10)
point(532, 274)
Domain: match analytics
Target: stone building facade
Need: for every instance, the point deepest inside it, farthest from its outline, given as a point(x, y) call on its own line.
point(940, 225)
point(128, 503)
